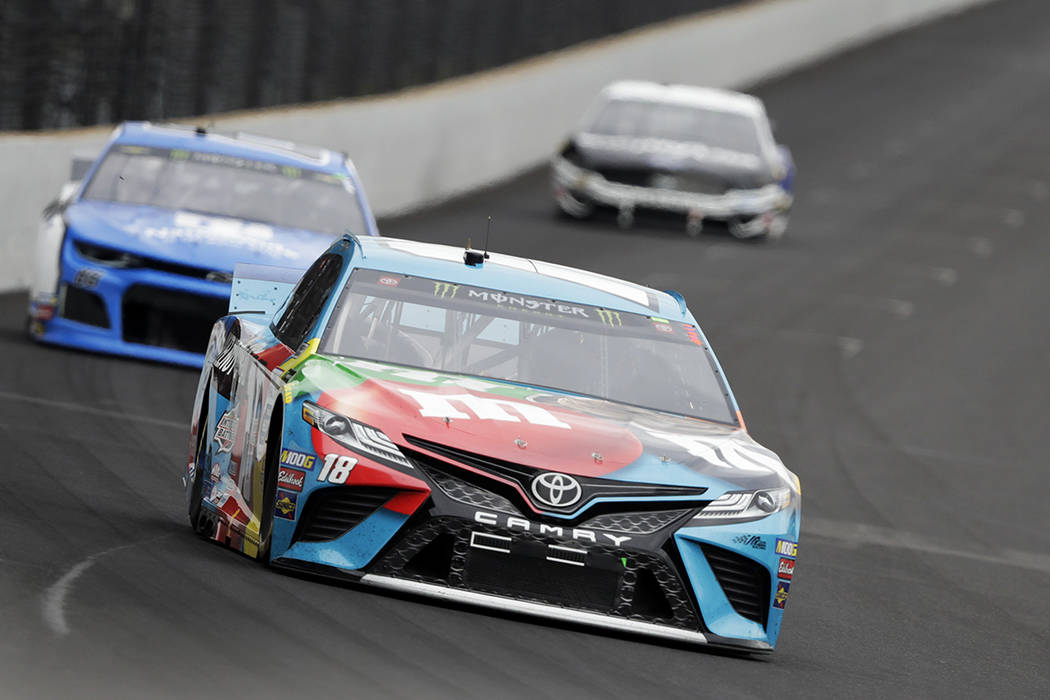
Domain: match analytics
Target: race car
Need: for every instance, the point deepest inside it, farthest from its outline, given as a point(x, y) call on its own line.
point(136, 255)
point(704, 155)
point(492, 430)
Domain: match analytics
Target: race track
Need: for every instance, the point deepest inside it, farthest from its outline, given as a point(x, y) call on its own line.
point(892, 349)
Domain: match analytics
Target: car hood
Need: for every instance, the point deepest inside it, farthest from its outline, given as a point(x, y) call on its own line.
point(544, 429)
point(736, 170)
point(189, 238)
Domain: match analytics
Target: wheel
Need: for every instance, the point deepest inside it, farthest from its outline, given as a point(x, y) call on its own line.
point(568, 206)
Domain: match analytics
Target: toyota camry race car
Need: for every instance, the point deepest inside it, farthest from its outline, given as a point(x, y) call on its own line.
point(495, 431)
point(136, 255)
point(705, 155)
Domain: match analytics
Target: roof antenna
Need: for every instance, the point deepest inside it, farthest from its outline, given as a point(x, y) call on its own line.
point(472, 257)
point(488, 230)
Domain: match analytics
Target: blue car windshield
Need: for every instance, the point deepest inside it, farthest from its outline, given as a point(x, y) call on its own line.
point(228, 186)
point(625, 357)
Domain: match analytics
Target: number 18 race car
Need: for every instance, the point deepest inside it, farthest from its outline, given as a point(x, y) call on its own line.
point(494, 431)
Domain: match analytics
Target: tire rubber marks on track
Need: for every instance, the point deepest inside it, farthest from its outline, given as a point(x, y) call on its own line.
point(901, 308)
point(873, 535)
point(91, 410)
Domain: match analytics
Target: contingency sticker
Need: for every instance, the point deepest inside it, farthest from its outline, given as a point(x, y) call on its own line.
point(286, 503)
point(787, 548)
point(781, 595)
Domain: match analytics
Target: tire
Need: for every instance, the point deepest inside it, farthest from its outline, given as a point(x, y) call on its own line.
point(200, 521)
point(270, 470)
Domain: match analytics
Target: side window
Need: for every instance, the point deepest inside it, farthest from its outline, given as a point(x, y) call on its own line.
point(307, 300)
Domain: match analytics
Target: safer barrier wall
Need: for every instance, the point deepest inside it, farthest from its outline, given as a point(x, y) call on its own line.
point(425, 144)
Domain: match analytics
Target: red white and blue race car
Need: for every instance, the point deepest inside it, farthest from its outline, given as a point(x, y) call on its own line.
point(496, 431)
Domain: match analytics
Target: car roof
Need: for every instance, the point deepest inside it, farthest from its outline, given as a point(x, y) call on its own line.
point(704, 97)
point(509, 273)
point(233, 144)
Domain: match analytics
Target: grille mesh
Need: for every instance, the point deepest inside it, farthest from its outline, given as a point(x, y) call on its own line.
point(332, 512)
point(634, 523)
point(464, 492)
point(745, 582)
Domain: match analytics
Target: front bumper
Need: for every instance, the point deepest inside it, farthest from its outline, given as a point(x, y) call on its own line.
point(576, 188)
point(137, 312)
point(713, 584)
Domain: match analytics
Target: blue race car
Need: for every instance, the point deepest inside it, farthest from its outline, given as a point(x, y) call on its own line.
point(136, 258)
point(496, 431)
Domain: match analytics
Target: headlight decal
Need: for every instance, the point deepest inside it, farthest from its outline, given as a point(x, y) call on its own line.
point(358, 437)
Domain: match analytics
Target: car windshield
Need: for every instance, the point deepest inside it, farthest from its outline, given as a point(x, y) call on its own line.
point(626, 357)
point(220, 185)
point(678, 122)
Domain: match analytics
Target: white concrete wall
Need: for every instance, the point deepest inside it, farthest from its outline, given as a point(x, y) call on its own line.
point(426, 144)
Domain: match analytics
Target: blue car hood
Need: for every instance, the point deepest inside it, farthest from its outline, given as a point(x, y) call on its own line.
point(189, 238)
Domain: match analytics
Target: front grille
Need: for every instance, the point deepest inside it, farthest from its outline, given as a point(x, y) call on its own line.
point(465, 492)
point(745, 582)
point(640, 177)
point(520, 565)
point(634, 523)
point(85, 307)
point(332, 512)
point(170, 318)
point(618, 492)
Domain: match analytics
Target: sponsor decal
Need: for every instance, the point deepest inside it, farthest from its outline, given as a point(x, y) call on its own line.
point(481, 407)
point(224, 361)
point(663, 327)
point(787, 548)
point(389, 281)
point(337, 468)
point(513, 522)
point(284, 506)
point(87, 278)
point(527, 303)
point(786, 569)
point(189, 228)
point(752, 541)
point(693, 335)
point(288, 478)
point(291, 458)
point(445, 290)
point(781, 596)
point(224, 433)
point(555, 490)
point(610, 318)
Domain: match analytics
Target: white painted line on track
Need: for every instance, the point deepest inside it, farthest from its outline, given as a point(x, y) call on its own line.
point(69, 406)
point(858, 533)
point(53, 601)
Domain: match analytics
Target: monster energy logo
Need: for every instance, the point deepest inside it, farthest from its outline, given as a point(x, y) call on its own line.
point(289, 171)
point(610, 318)
point(445, 290)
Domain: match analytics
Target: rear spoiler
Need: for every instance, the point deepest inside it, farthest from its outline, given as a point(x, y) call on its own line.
point(261, 288)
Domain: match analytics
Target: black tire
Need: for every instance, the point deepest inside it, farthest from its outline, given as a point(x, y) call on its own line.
point(271, 468)
point(199, 520)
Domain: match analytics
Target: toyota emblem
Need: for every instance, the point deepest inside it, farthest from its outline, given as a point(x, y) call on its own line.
point(556, 490)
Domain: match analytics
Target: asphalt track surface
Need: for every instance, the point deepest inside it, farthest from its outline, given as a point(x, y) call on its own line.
point(892, 349)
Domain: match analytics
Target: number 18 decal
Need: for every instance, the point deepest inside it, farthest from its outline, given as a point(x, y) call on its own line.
point(336, 468)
